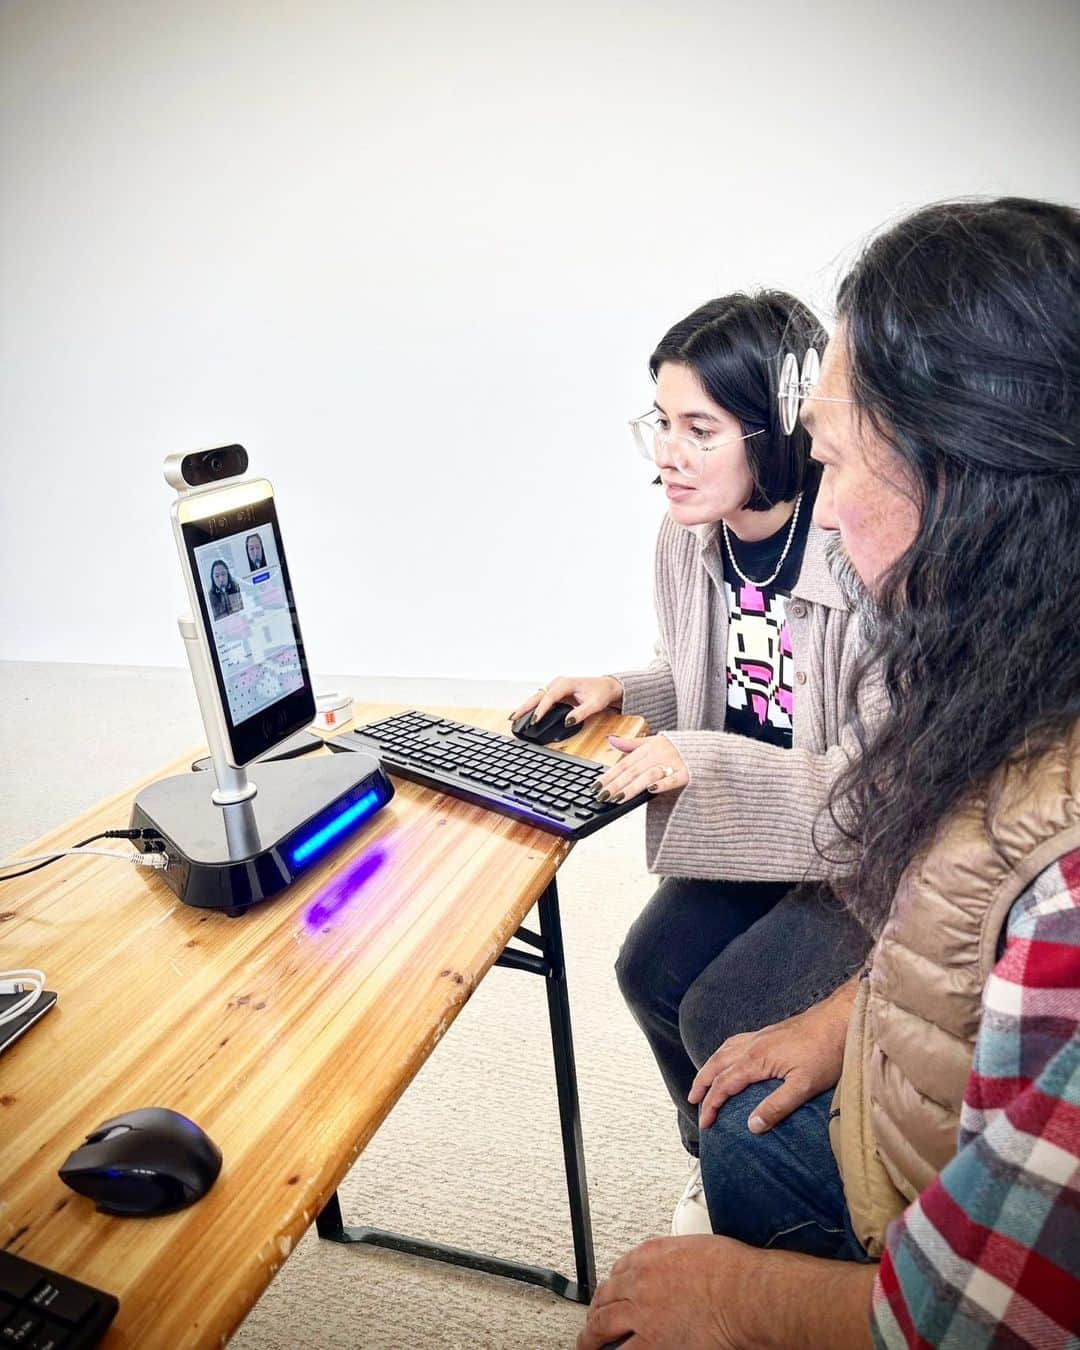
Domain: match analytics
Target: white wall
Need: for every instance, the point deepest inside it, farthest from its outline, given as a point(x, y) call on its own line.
point(415, 256)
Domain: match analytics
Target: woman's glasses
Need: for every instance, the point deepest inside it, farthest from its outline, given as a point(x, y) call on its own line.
point(797, 386)
point(688, 453)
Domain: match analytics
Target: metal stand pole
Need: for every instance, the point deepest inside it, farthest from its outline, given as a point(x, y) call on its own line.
point(233, 785)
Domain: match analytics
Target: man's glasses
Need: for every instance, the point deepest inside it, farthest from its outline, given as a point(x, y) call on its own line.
point(797, 386)
point(688, 453)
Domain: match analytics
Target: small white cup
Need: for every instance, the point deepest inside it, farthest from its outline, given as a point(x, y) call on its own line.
point(332, 708)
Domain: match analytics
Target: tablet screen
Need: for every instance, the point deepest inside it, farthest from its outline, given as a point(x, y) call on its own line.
point(241, 581)
point(251, 620)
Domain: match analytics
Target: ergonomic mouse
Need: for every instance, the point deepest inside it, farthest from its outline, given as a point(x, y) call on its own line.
point(144, 1162)
point(551, 727)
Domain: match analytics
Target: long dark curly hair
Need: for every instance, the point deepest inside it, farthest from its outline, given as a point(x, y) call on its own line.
point(962, 326)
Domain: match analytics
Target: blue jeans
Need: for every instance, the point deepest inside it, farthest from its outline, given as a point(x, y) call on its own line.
point(705, 960)
point(781, 1189)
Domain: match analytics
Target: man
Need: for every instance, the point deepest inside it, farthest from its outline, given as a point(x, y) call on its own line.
point(947, 419)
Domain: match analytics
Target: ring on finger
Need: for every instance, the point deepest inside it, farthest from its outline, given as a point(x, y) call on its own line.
point(667, 770)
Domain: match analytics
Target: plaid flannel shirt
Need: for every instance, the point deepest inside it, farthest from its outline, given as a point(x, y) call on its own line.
point(989, 1255)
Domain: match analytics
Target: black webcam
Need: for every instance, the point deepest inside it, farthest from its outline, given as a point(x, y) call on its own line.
point(200, 468)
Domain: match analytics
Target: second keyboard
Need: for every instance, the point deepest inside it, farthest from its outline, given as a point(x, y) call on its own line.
point(533, 783)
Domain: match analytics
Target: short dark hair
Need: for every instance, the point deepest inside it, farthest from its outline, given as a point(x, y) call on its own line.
point(962, 328)
point(735, 346)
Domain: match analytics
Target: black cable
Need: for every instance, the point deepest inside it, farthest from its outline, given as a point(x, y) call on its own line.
point(105, 834)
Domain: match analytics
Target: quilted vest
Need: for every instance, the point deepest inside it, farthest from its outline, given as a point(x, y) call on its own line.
point(911, 1038)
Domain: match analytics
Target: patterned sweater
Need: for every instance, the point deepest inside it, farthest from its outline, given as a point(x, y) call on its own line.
point(749, 810)
point(989, 1255)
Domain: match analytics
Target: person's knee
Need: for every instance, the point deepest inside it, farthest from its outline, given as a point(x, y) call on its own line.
point(708, 1014)
point(635, 971)
point(737, 1168)
point(759, 1187)
point(730, 1169)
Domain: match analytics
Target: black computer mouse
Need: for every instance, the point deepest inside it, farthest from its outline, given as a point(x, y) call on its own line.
point(144, 1162)
point(551, 727)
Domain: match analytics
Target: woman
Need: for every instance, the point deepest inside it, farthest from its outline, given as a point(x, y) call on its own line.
point(225, 597)
point(756, 642)
point(256, 558)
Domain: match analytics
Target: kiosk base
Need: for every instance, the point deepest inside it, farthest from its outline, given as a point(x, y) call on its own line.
point(231, 857)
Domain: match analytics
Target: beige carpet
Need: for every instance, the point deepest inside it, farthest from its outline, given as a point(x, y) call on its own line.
point(471, 1154)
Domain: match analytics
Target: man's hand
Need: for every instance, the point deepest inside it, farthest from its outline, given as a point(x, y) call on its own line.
point(649, 764)
point(672, 1294)
point(588, 693)
point(806, 1051)
point(711, 1293)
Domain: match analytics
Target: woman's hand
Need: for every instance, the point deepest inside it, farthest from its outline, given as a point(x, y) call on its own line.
point(806, 1051)
point(588, 693)
point(649, 764)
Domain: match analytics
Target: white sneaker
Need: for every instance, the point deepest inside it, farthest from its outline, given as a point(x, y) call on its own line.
point(692, 1213)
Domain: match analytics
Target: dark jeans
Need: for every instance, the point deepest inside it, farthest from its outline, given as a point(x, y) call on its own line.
point(781, 1189)
point(705, 960)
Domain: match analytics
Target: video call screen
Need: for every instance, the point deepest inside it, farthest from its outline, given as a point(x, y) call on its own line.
point(251, 623)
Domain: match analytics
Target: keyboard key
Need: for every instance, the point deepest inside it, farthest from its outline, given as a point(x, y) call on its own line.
point(64, 1301)
point(17, 1278)
point(51, 1337)
point(19, 1328)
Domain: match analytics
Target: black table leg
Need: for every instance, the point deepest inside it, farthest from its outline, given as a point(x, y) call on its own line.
point(562, 1044)
point(552, 965)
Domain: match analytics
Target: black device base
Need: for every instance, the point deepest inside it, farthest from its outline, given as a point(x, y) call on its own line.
point(547, 960)
point(231, 857)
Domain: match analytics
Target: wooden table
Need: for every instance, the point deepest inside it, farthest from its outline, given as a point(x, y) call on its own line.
point(287, 1034)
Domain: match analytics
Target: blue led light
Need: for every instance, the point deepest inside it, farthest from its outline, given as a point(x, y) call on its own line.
point(333, 828)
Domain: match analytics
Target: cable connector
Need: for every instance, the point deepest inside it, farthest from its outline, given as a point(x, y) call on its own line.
point(151, 859)
point(157, 860)
point(28, 865)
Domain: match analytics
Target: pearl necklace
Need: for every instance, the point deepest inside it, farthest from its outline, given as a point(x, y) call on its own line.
point(783, 556)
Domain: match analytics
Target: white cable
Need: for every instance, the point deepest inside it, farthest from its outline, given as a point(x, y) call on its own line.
point(29, 983)
point(158, 860)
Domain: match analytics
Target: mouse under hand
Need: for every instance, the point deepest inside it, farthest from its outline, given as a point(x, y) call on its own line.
point(547, 729)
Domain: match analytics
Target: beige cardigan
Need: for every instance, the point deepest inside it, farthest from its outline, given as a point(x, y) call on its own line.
point(748, 809)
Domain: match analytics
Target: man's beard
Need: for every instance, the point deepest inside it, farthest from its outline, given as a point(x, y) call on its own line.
point(858, 598)
point(867, 615)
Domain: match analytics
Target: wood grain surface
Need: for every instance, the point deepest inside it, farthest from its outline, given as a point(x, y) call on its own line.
point(287, 1034)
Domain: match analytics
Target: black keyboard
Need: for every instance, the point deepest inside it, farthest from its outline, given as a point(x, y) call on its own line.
point(533, 783)
point(42, 1310)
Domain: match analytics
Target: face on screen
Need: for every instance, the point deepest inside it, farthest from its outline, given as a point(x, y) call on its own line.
point(251, 626)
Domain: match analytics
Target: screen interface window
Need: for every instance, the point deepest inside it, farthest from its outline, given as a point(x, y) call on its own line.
point(250, 620)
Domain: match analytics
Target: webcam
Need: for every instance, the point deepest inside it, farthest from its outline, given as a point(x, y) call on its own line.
point(204, 468)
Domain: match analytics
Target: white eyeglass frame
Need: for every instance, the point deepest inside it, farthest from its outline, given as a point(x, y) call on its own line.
point(643, 430)
point(797, 386)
